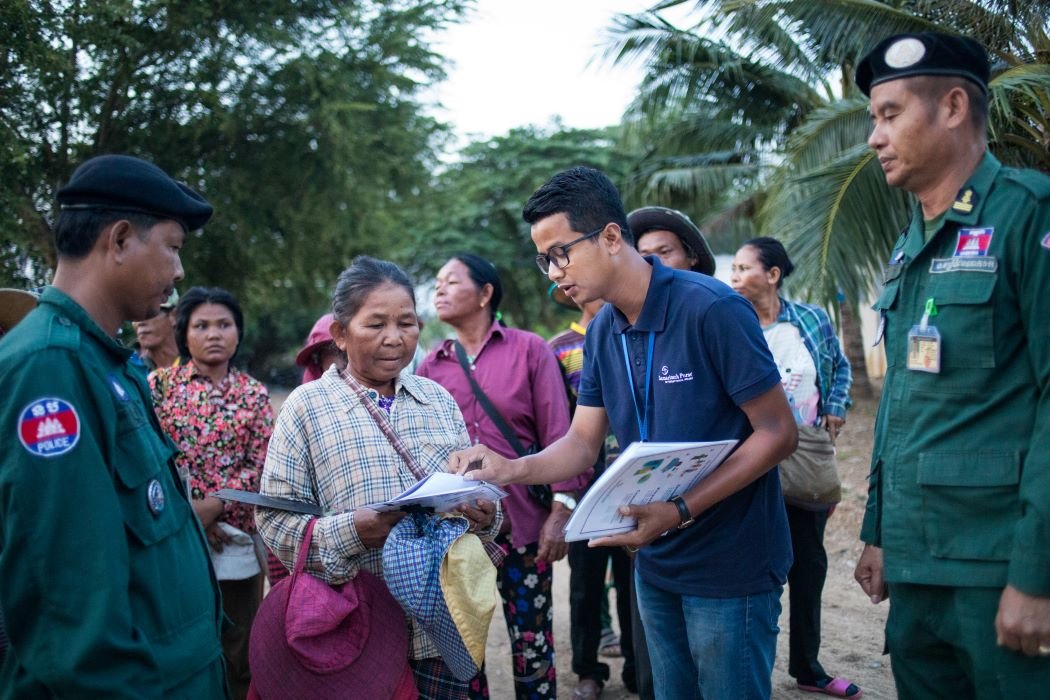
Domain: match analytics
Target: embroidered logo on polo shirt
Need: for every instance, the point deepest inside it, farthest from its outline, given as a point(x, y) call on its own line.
point(669, 377)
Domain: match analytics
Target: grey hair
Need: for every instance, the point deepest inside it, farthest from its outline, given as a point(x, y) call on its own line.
point(356, 282)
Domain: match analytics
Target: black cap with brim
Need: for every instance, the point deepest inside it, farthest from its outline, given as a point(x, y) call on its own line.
point(925, 53)
point(646, 219)
point(126, 183)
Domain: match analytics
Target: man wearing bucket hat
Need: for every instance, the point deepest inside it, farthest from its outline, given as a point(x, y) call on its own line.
point(671, 236)
point(957, 525)
point(105, 584)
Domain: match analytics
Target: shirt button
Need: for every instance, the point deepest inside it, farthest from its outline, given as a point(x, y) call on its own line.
point(638, 363)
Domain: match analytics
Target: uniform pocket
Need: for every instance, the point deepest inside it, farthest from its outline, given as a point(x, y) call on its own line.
point(152, 509)
point(970, 503)
point(964, 318)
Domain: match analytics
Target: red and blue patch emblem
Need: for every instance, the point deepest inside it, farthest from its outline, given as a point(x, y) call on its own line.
point(973, 242)
point(49, 427)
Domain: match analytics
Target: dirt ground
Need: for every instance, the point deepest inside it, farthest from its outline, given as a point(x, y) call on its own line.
point(852, 627)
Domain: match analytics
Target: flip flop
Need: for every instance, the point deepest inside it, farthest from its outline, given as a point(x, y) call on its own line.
point(836, 687)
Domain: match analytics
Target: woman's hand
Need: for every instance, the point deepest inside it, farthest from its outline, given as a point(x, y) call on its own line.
point(480, 515)
point(209, 511)
point(373, 527)
point(833, 424)
point(552, 535)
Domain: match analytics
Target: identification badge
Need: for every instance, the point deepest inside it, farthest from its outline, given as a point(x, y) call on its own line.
point(924, 349)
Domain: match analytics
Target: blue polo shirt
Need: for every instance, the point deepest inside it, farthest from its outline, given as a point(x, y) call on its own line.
point(709, 357)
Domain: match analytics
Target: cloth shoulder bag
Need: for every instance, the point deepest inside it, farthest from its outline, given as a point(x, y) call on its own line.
point(313, 640)
point(809, 477)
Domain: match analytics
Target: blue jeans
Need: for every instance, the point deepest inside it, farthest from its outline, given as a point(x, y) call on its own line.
point(710, 648)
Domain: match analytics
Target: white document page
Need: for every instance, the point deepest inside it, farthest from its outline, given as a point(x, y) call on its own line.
point(644, 473)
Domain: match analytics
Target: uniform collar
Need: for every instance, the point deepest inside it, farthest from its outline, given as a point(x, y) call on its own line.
point(67, 308)
point(968, 204)
point(654, 309)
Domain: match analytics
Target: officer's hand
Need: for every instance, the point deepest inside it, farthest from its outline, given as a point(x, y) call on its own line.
point(1023, 623)
point(373, 527)
point(481, 463)
point(653, 520)
point(869, 573)
point(208, 509)
point(552, 535)
point(480, 514)
point(833, 424)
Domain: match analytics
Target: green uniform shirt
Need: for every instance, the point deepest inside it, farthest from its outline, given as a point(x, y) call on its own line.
point(959, 490)
point(105, 580)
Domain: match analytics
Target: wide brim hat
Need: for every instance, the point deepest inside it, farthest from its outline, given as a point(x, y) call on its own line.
point(319, 335)
point(646, 219)
point(442, 577)
point(14, 305)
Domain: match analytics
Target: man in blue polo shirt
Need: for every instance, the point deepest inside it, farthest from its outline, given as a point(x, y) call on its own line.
point(693, 354)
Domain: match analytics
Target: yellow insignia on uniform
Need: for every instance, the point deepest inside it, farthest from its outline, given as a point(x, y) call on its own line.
point(965, 201)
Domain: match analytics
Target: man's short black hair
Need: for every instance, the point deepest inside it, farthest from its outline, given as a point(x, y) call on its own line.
point(77, 230)
point(586, 196)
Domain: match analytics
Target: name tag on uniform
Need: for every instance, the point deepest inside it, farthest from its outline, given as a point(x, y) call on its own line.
point(924, 349)
point(976, 264)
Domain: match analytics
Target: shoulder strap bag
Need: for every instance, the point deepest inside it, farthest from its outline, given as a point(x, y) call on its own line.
point(540, 492)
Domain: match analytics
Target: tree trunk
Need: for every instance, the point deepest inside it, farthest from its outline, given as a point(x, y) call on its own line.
point(853, 347)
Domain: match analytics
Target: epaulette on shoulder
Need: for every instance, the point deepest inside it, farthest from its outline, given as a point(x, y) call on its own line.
point(63, 333)
point(1034, 181)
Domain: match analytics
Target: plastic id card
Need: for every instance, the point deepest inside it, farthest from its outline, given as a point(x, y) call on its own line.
point(924, 349)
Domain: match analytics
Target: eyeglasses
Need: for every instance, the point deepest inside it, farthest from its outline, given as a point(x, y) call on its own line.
point(559, 255)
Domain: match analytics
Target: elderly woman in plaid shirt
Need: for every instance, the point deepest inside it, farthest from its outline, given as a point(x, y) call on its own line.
point(328, 449)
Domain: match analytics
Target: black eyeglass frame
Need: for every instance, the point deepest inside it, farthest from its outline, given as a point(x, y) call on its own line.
point(545, 260)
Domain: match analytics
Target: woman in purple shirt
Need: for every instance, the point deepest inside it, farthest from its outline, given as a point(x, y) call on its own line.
point(519, 373)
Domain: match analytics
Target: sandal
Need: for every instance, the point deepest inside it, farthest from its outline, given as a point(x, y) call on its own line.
point(837, 687)
point(609, 645)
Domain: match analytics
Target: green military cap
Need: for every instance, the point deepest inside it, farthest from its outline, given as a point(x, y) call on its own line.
point(925, 53)
point(125, 183)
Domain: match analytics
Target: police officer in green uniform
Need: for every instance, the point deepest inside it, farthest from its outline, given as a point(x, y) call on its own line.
point(105, 580)
point(957, 527)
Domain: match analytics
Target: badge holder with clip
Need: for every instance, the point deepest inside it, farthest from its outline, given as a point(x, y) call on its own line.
point(924, 343)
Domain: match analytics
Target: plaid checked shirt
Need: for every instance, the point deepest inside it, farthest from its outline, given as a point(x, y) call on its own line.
point(833, 371)
point(327, 449)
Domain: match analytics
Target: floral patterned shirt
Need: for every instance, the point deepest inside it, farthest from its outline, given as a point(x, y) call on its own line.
point(221, 431)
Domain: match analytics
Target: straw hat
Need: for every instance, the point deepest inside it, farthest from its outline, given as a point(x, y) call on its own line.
point(14, 305)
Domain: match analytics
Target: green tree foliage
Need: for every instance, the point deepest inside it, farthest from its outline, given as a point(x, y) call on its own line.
point(763, 141)
point(301, 122)
point(476, 204)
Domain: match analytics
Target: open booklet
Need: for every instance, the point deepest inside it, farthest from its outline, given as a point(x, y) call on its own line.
point(644, 473)
point(442, 492)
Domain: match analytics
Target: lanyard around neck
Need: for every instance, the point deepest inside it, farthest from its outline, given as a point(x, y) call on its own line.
point(641, 416)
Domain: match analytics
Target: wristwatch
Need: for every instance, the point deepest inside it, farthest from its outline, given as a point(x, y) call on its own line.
point(683, 512)
point(566, 500)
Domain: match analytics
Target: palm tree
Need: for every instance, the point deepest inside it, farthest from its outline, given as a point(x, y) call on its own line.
point(747, 84)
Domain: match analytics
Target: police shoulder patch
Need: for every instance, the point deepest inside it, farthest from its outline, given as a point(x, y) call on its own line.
point(49, 427)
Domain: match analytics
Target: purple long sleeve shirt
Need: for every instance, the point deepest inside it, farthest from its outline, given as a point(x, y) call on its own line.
point(519, 373)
